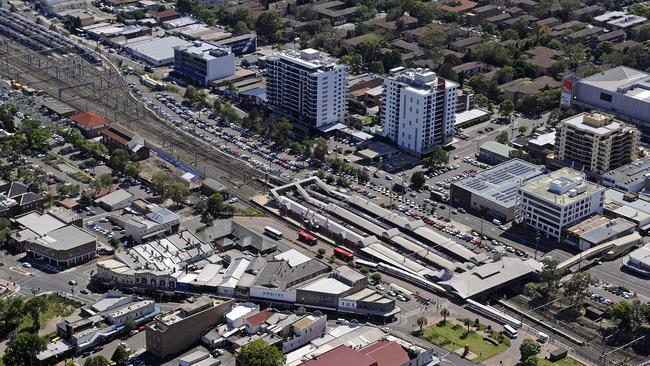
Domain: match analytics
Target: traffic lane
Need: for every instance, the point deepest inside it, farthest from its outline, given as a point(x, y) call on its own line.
point(611, 272)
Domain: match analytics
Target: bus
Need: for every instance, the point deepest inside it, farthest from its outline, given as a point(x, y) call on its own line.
point(510, 332)
point(307, 238)
point(343, 254)
point(272, 233)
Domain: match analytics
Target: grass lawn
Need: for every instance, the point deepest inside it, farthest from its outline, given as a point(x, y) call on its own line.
point(452, 339)
point(567, 361)
point(56, 306)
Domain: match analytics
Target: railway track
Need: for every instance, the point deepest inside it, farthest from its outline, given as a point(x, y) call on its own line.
point(103, 90)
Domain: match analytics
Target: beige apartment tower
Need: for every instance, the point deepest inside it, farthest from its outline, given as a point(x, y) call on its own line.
point(596, 142)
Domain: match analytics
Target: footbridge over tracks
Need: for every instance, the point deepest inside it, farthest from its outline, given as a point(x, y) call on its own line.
point(610, 249)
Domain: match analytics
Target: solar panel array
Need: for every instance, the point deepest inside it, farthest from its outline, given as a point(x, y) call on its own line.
point(499, 177)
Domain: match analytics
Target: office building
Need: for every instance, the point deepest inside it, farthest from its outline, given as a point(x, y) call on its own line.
point(63, 247)
point(621, 90)
point(634, 177)
point(639, 261)
point(558, 200)
point(596, 142)
point(309, 88)
point(419, 109)
point(177, 330)
point(203, 62)
point(493, 193)
point(240, 45)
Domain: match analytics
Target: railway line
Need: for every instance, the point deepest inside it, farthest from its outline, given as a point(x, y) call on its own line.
point(102, 90)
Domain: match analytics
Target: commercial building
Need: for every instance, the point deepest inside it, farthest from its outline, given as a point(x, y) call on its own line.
point(156, 222)
point(558, 200)
point(90, 124)
point(243, 44)
point(633, 177)
point(492, 152)
point(493, 192)
point(596, 141)
point(155, 51)
point(309, 88)
point(639, 261)
point(203, 62)
point(597, 230)
point(621, 90)
point(115, 200)
point(177, 330)
point(16, 199)
point(419, 109)
point(66, 246)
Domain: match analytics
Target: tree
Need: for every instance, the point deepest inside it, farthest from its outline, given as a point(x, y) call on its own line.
point(104, 180)
point(97, 361)
point(36, 136)
point(7, 112)
point(506, 108)
point(445, 313)
point(195, 96)
point(267, 24)
point(418, 180)
point(132, 169)
point(630, 315)
point(119, 158)
point(549, 277)
point(502, 138)
point(439, 156)
point(529, 347)
point(531, 361)
point(320, 149)
point(260, 353)
point(321, 252)
point(376, 276)
point(214, 204)
point(577, 287)
point(129, 325)
point(23, 349)
point(522, 129)
point(120, 356)
point(159, 183)
point(421, 322)
point(34, 307)
point(177, 191)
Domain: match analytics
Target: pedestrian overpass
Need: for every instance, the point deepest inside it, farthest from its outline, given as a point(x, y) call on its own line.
point(616, 247)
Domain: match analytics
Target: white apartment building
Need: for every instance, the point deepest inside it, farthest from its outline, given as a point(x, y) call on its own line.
point(308, 88)
point(596, 141)
point(558, 200)
point(419, 109)
point(203, 62)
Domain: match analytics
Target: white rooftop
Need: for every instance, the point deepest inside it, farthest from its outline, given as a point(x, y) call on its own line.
point(327, 285)
point(293, 257)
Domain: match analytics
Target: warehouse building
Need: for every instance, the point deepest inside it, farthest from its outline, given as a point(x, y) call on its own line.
point(493, 193)
point(155, 51)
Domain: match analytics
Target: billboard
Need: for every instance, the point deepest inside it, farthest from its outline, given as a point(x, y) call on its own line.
point(567, 93)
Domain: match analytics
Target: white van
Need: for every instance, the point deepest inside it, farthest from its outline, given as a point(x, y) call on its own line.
point(496, 222)
point(542, 337)
point(510, 332)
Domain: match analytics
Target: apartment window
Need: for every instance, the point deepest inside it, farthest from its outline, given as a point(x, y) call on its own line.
point(606, 97)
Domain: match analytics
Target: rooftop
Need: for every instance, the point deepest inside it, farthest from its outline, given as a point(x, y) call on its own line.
point(159, 49)
point(420, 79)
point(623, 80)
point(500, 183)
point(327, 285)
point(598, 229)
point(497, 148)
point(594, 123)
point(642, 255)
point(293, 257)
point(563, 186)
point(204, 50)
point(65, 238)
point(308, 58)
point(630, 173)
point(88, 120)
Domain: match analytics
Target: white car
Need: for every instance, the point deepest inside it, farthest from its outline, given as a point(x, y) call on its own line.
point(27, 265)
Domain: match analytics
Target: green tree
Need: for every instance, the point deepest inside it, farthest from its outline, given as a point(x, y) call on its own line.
point(549, 277)
point(439, 156)
point(98, 360)
point(7, 112)
point(630, 315)
point(522, 129)
point(445, 313)
point(120, 356)
point(320, 149)
point(267, 24)
point(421, 322)
point(105, 180)
point(35, 306)
point(36, 136)
point(215, 204)
point(260, 353)
point(506, 108)
point(23, 350)
point(502, 138)
point(132, 169)
point(129, 325)
point(119, 158)
point(531, 361)
point(195, 96)
point(321, 252)
point(577, 287)
point(376, 276)
point(529, 347)
point(159, 183)
point(418, 180)
point(177, 191)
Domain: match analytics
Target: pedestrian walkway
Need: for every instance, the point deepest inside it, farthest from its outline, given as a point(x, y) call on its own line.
point(8, 288)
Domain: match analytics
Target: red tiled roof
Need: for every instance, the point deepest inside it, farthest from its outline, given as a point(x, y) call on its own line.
point(88, 120)
point(386, 353)
point(341, 355)
point(69, 203)
point(164, 14)
point(259, 318)
point(463, 5)
point(109, 133)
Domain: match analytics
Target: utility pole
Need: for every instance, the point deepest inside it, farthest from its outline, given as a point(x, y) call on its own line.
point(604, 355)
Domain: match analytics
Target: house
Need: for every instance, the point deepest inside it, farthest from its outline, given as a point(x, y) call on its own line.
point(115, 200)
point(585, 36)
point(469, 69)
point(337, 12)
point(586, 11)
point(115, 137)
point(165, 15)
point(15, 199)
point(478, 15)
point(461, 6)
point(519, 88)
point(90, 124)
point(543, 58)
point(462, 45)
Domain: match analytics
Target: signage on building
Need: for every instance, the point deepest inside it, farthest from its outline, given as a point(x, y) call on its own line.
point(567, 93)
